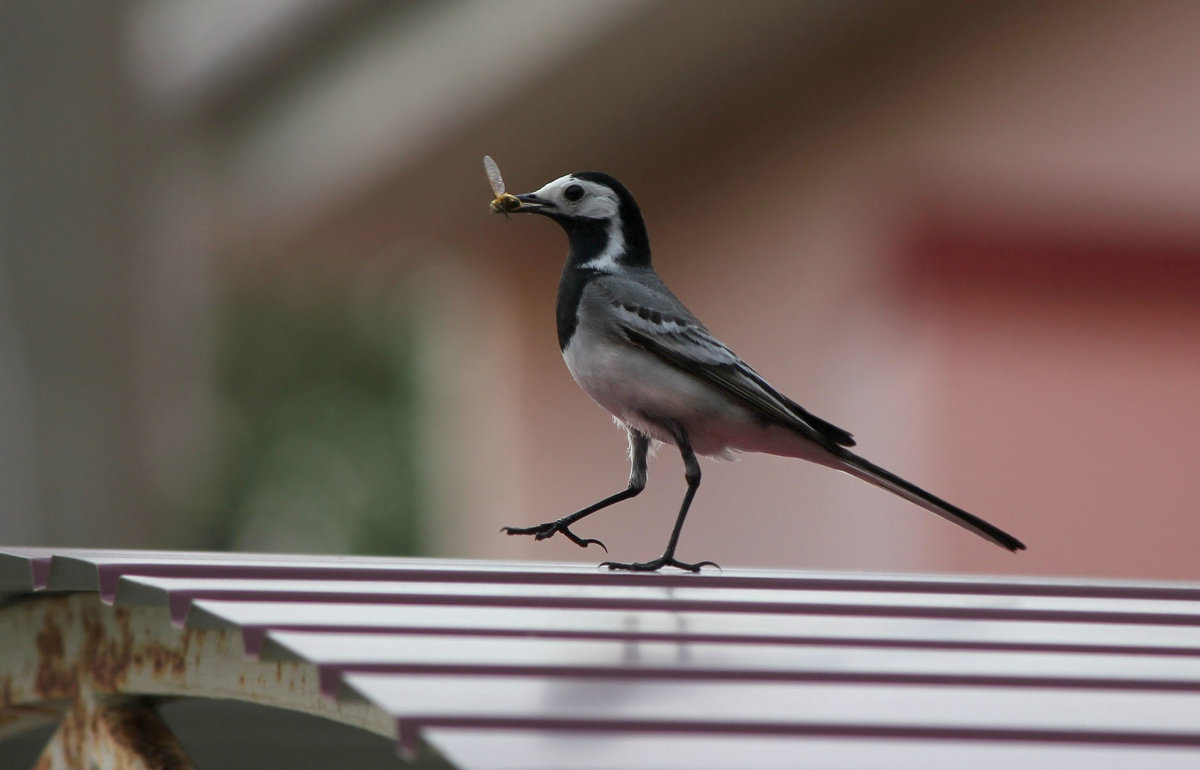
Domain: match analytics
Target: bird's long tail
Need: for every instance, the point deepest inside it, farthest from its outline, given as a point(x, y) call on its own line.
point(885, 479)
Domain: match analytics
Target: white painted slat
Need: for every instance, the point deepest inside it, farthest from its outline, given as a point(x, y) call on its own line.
point(780, 628)
point(542, 750)
point(100, 570)
point(702, 660)
point(554, 665)
point(179, 592)
point(1020, 714)
point(75, 568)
point(23, 569)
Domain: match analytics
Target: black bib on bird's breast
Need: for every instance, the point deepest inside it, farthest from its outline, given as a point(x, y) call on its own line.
point(588, 239)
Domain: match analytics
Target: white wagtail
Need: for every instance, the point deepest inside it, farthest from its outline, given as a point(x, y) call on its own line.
point(639, 353)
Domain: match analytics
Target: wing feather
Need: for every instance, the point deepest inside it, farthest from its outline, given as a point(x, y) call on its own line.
point(654, 320)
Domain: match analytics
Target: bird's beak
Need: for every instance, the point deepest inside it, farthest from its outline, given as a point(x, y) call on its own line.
point(531, 203)
point(526, 203)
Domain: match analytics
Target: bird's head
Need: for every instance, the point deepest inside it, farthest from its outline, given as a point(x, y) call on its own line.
point(603, 222)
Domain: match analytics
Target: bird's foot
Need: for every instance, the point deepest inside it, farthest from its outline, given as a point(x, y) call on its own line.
point(551, 528)
point(657, 564)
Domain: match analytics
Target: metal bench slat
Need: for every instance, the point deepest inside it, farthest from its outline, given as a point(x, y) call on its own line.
point(708, 661)
point(255, 619)
point(1037, 715)
point(179, 593)
point(552, 750)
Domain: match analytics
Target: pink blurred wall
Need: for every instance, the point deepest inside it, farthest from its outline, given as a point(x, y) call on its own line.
point(1062, 410)
point(822, 181)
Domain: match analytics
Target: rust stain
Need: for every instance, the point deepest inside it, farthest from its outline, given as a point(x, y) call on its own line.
point(114, 733)
point(106, 656)
point(14, 713)
point(71, 735)
point(108, 650)
point(111, 652)
point(83, 650)
point(138, 729)
point(165, 660)
point(54, 677)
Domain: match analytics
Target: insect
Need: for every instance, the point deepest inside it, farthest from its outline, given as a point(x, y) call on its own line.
point(503, 202)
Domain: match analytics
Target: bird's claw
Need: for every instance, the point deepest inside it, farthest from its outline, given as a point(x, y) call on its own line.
point(551, 528)
point(657, 564)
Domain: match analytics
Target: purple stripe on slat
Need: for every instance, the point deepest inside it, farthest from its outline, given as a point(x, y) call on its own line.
point(408, 731)
point(24, 569)
point(331, 674)
point(39, 567)
point(180, 602)
point(110, 574)
point(255, 634)
point(253, 638)
point(370, 568)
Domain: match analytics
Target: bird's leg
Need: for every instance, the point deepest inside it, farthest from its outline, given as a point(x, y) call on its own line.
point(691, 472)
point(639, 450)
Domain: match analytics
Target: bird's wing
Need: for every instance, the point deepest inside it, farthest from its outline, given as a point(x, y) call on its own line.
point(649, 316)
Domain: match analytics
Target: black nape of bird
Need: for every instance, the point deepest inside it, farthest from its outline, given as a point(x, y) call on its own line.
point(639, 353)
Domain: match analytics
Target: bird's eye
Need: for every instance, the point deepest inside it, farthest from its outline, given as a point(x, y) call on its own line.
point(573, 193)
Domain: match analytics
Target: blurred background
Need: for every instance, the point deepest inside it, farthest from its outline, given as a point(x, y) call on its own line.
point(251, 296)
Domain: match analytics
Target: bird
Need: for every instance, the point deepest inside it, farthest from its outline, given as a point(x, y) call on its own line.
point(638, 352)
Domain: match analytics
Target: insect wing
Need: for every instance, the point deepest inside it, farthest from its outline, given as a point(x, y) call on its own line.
point(493, 175)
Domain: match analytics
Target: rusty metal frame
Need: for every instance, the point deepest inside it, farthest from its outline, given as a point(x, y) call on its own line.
point(99, 669)
point(113, 733)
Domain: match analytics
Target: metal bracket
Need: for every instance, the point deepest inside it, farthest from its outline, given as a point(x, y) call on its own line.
point(97, 667)
point(112, 733)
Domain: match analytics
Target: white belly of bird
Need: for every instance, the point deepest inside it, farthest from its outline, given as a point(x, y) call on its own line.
point(642, 391)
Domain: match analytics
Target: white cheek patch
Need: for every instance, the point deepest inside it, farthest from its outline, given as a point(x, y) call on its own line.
point(598, 202)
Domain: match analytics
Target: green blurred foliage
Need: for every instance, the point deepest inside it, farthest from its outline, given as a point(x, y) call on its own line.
point(317, 434)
